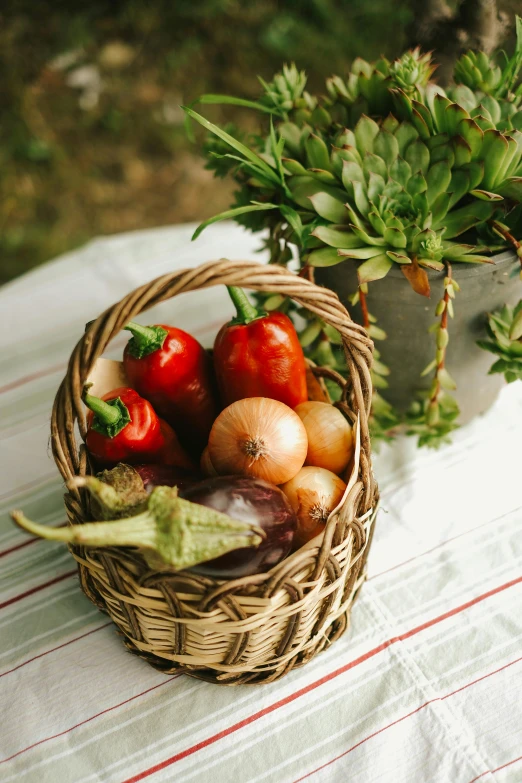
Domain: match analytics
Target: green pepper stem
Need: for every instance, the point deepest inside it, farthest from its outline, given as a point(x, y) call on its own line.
point(145, 339)
point(142, 334)
point(246, 312)
point(105, 413)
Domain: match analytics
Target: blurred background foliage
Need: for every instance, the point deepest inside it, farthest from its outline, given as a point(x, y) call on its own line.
point(92, 139)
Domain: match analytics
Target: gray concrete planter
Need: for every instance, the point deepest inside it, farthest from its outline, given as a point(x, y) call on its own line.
point(405, 317)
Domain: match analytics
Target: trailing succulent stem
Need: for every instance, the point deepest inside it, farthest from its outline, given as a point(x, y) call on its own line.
point(442, 379)
point(363, 290)
point(322, 343)
point(434, 417)
point(503, 231)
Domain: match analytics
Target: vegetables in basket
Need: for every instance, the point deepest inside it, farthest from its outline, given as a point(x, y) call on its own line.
point(170, 531)
point(259, 355)
point(124, 490)
point(165, 476)
point(123, 427)
point(235, 526)
point(172, 370)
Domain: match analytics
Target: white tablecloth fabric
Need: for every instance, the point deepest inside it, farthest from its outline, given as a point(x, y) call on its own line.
point(425, 686)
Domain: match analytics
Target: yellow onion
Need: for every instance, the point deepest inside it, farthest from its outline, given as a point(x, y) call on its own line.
point(205, 464)
point(330, 441)
point(313, 494)
point(258, 437)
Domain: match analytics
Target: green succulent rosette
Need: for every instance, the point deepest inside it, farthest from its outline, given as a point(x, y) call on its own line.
point(478, 72)
point(286, 91)
point(473, 138)
point(383, 196)
point(366, 90)
point(492, 91)
point(412, 71)
point(505, 340)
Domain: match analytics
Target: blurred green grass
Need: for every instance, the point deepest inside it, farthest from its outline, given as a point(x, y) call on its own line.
point(92, 139)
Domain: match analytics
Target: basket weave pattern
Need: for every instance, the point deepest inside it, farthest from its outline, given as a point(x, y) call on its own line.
point(256, 628)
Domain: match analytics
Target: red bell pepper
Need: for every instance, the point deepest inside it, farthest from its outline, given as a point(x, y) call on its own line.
point(172, 370)
point(123, 427)
point(259, 355)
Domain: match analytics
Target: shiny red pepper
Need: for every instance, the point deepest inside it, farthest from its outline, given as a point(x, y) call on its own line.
point(123, 427)
point(259, 355)
point(172, 370)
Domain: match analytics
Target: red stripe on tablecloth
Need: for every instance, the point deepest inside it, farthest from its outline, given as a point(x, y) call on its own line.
point(53, 649)
point(25, 543)
point(442, 543)
point(87, 720)
point(479, 679)
point(370, 736)
point(408, 715)
point(55, 367)
point(37, 588)
point(32, 377)
point(459, 609)
point(22, 487)
point(488, 771)
point(312, 686)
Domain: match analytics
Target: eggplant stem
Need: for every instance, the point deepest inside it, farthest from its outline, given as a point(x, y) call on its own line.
point(136, 531)
point(180, 534)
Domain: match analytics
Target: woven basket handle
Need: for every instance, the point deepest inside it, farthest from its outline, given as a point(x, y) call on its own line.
point(68, 406)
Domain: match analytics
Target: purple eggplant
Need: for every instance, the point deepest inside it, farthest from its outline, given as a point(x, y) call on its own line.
point(165, 476)
point(227, 527)
point(253, 501)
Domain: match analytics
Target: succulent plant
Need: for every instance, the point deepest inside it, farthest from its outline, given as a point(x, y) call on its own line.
point(387, 168)
point(432, 433)
point(478, 72)
point(482, 77)
point(390, 202)
point(412, 71)
point(488, 92)
point(366, 90)
point(505, 333)
point(473, 137)
point(286, 91)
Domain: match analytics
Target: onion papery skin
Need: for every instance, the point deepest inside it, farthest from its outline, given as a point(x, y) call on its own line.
point(260, 438)
point(313, 495)
point(330, 439)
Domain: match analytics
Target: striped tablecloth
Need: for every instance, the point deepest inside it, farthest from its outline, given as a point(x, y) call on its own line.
point(426, 685)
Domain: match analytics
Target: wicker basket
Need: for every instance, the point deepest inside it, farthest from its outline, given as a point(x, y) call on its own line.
point(248, 630)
